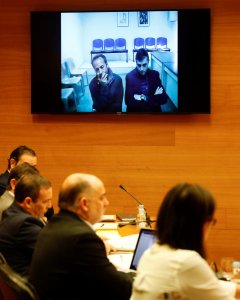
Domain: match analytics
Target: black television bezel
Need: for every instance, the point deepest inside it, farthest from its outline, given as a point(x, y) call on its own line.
point(194, 26)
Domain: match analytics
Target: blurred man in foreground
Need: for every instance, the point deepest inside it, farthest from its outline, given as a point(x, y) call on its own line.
point(70, 260)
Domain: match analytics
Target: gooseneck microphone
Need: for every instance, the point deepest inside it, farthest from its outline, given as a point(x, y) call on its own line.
point(140, 203)
point(123, 188)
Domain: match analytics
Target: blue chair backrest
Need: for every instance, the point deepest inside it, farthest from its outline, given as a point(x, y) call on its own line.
point(120, 44)
point(97, 45)
point(150, 42)
point(108, 44)
point(138, 43)
point(162, 41)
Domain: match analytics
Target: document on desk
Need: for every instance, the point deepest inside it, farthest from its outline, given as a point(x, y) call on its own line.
point(125, 247)
point(121, 261)
point(124, 243)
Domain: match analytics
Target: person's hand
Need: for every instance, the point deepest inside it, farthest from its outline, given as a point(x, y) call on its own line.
point(141, 97)
point(103, 78)
point(158, 91)
point(44, 220)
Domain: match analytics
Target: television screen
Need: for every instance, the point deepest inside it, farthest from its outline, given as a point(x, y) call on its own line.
point(155, 61)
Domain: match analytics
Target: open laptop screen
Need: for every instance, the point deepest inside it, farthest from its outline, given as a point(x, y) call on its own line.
point(146, 239)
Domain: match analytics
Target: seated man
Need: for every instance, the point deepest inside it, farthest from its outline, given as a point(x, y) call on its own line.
point(19, 230)
point(106, 87)
point(144, 90)
point(19, 155)
point(15, 174)
point(70, 260)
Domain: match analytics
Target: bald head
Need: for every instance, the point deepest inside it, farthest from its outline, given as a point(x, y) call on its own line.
point(85, 195)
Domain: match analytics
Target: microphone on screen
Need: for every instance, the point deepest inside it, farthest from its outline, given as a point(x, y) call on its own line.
point(148, 221)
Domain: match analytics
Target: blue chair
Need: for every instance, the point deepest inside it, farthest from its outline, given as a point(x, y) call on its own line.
point(150, 44)
point(97, 45)
point(162, 44)
point(73, 71)
point(120, 44)
point(109, 44)
point(137, 44)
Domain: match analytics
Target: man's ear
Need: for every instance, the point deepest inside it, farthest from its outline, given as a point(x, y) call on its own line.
point(13, 163)
point(27, 202)
point(83, 203)
point(13, 183)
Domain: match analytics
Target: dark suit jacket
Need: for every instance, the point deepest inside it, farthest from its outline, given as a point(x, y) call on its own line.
point(107, 97)
point(147, 85)
point(3, 185)
point(18, 235)
point(70, 262)
point(3, 181)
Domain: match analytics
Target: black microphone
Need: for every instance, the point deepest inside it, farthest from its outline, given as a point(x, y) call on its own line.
point(148, 221)
point(123, 188)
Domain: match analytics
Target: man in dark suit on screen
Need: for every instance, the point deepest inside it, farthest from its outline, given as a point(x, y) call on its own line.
point(70, 259)
point(144, 90)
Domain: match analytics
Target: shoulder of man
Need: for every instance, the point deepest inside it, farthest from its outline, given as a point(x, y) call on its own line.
point(153, 73)
point(16, 215)
point(132, 73)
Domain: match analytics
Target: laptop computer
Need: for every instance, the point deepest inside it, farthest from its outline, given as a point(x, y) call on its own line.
point(129, 261)
point(146, 238)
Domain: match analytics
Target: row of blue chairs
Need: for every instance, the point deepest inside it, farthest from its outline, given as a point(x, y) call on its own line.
point(120, 45)
point(110, 44)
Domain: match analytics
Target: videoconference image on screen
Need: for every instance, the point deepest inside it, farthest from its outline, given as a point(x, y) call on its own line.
point(118, 36)
point(120, 62)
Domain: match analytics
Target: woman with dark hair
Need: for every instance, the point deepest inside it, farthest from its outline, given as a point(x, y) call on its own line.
point(175, 267)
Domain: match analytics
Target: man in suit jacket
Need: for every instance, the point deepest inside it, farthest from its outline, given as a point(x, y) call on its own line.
point(70, 259)
point(24, 221)
point(15, 174)
point(144, 90)
point(19, 155)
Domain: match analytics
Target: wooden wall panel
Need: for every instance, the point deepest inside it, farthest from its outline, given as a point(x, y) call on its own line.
point(147, 154)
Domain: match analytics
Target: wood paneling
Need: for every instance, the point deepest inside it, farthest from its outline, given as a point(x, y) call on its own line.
point(148, 154)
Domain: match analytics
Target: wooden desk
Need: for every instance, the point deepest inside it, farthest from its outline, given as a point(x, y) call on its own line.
point(128, 229)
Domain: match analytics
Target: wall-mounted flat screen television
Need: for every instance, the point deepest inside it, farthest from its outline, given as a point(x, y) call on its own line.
point(120, 62)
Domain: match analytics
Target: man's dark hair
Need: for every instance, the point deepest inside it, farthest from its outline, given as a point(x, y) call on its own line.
point(18, 152)
point(98, 56)
point(182, 215)
point(18, 171)
point(141, 54)
point(29, 186)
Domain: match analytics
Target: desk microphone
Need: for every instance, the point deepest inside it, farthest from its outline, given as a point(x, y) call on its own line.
point(140, 203)
point(123, 188)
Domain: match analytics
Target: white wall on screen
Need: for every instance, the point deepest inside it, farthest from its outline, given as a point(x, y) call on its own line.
point(78, 30)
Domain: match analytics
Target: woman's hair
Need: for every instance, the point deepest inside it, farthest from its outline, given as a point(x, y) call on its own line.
point(182, 215)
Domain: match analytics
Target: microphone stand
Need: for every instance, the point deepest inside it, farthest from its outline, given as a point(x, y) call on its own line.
point(148, 220)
